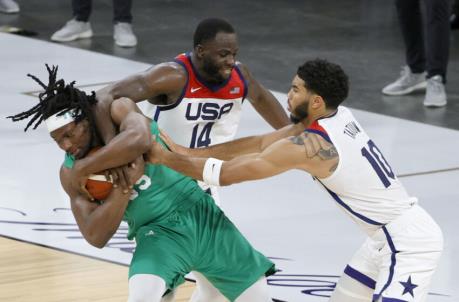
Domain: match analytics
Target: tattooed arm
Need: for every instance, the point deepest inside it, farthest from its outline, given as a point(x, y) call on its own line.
point(307, 151)
point(322, 155)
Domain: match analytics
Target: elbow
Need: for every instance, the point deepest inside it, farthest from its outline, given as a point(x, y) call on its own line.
point(97, 244)
point(140, 142)
point(97, 240)
point(95, 236)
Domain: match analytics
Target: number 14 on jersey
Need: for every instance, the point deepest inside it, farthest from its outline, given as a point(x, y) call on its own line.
point(200, 137)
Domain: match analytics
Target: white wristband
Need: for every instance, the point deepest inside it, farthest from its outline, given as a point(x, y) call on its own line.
point(211, 172)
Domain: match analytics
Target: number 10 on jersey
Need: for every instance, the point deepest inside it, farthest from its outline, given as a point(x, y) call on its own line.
point(378, 162)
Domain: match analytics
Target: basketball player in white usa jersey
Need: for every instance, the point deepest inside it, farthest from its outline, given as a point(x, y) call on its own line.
point(198, 99)
point(400, 255)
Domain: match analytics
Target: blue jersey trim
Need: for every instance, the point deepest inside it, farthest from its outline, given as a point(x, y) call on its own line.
point(157, 112)
point(362, 278)
point(179, 100)
point(392, 300)
point(246, 85)
point(393, 261)
point(321, 133)
point(348, 208)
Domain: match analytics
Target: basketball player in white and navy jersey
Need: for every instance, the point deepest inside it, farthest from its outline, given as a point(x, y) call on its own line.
point(206, 113)
point(197, 98)
point(400, 255)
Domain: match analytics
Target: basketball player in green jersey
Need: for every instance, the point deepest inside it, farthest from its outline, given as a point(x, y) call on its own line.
point(177, 227)
point(198, 99)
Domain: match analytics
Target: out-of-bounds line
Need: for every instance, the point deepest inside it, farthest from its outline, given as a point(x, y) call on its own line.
point(428, 172)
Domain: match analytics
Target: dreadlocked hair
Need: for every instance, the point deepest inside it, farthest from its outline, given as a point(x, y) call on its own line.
point(58, 98)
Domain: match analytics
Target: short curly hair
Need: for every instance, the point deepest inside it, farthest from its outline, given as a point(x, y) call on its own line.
point(208, 29)
point(326, 79)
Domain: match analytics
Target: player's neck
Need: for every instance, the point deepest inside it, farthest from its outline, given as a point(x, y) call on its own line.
point(315, 116)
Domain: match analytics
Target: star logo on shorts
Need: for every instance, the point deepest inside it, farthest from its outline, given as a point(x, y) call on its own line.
point(408, 287)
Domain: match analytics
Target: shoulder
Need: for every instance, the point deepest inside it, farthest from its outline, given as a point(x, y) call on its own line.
point(244, 70)
point(167, 72)
point(321, 158)
point(123, 103)
point(315, 145)
point(124, 108)
point(167, 69)
point(169, 78)
point(255, 88)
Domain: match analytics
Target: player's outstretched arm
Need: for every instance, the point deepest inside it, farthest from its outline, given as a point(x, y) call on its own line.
point(308, 152)
point(264, 102)
point(238, 147)
point(98, 222)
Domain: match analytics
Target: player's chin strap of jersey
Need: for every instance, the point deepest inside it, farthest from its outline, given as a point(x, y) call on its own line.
point(211, 172)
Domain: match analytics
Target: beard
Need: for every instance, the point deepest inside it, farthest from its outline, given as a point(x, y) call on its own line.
point(299, 113)
point(212, 71)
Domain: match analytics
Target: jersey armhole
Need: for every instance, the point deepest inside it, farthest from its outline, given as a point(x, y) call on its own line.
point(319, 130)
point(244, 81)
point(180, 98)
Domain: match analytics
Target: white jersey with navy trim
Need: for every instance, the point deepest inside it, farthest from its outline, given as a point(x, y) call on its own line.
point(204, 114)
point(363, 184)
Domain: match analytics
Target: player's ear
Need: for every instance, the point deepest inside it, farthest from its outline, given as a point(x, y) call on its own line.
point(199, 50)
point(317, 101)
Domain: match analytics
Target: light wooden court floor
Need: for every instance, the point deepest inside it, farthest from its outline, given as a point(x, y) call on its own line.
point(31, 273)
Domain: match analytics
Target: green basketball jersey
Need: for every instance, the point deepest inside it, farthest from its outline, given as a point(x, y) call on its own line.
point(159, 192)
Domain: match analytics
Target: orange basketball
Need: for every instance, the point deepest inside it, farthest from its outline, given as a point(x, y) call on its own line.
point(97, 184)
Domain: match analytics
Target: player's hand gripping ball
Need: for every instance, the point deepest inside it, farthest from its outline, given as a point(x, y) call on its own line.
point(98, 185)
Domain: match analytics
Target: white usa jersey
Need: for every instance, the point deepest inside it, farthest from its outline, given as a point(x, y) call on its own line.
point(204, 115)
point(363, 184)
